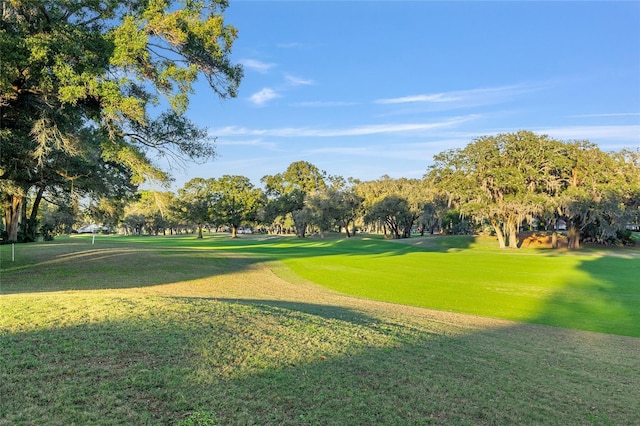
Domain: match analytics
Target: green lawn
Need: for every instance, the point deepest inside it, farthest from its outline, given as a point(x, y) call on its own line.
point(590, 290)
point(175, 330)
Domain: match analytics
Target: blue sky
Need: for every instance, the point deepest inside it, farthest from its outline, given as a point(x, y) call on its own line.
point(369, 88)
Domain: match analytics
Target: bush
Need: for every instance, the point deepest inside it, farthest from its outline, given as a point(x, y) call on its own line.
point(625, 237)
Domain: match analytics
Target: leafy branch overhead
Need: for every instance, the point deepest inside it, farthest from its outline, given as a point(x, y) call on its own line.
point(125, 70)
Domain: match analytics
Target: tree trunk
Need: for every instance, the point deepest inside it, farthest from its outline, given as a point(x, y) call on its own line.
point(31, 230)
point(574, 237)
point(513, 236)
point(393, 229)
point(200, 231)
point(234, 231)
point(12, 215)
point(346, 229)
point(554, 239)
point(499, 234)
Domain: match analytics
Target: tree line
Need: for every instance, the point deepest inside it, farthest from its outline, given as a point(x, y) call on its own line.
point(92, 91)
point(498, 184)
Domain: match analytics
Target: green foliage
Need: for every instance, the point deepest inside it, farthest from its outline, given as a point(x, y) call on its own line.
point(286, 193)
point(57, 219)
point(333, 207)
point(81, 84)
point(300, 176)
point(230, 200)
point(195, 202)
point(511, 178)
point(234, 201)
point(382, 199)
point(455, 224)
point(394, 212)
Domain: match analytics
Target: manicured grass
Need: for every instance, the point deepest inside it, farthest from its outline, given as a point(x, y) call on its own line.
point(592, 289)
point(181, 331)
point(589, 290)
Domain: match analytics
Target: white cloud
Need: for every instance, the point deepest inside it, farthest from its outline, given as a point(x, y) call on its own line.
point(372, 129)
point(469, 97)
point(437, 97)
point(259, 66)
point(289, 45)
point(297, 81)
point(264, 96)
point(381, 152)
point(256, 143)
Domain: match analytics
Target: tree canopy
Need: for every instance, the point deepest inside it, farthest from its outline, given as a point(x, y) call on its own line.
point(286, 193)
point(235, 201)
point(512, 177)
point(104, 83)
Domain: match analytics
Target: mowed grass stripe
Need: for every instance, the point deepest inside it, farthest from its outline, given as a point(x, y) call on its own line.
point(441, 281)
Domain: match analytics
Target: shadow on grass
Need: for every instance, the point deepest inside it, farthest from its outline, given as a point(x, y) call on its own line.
point(607, 301)
point(327, 312)
point(118, 263)
point(260, 362)
point(116, 268)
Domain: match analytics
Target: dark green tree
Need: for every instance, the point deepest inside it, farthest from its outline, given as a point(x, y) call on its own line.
point(235, 201)
point(103, 67)
point(286, 193)
point(395, 213)
point(511, 178)
point(414, 192)
point(504, 179)
point(600, 194)
point(196, 199)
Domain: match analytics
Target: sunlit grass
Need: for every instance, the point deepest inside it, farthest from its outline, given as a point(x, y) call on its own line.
point(591, 289)
point(595, 292)
point(176, 330)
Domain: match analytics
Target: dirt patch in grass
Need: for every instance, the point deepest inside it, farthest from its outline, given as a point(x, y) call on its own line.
point(542, 240)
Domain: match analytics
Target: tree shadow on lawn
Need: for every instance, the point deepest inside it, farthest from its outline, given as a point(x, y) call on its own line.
point(115, 268)
point(265, 362)
point(120, 264)
point(607, 301)
point(327, 312)
point(439, 243)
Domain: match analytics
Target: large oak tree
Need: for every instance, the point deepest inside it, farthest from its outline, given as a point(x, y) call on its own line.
point(509, 178)
point(105, 76)
point(234, 201)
